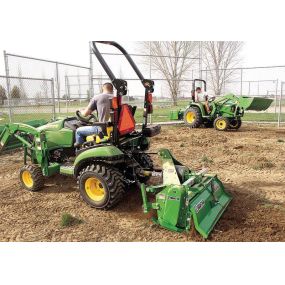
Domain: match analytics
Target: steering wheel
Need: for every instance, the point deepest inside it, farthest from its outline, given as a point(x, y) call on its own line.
point(83, 119)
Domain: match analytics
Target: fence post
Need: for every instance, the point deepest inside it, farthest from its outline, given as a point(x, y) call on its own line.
point(68, 97)
point(249, 82)
point(150, 116)
point(280, 103)
point(79, 88)
point(53, 99)
point(91, 87)
point(58, 86)
point(200, 59)
point(8, 85)
point(225, 78)
point(241, 74)
point(276, 94)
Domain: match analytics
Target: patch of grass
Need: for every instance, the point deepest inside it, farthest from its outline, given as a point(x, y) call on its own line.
point(206, 160)
point(263, 165)
point(274, 206)
point(67, 220)
point(280, 141)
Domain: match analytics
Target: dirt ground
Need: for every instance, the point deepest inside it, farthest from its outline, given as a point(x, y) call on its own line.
point(250, 162)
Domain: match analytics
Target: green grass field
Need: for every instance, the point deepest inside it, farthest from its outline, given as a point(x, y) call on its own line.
point(161, 113)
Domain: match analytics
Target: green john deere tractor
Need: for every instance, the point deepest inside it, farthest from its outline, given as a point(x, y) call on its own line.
point(107, 164)
point(225, 111)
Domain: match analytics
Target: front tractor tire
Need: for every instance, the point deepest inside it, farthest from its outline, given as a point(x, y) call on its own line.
point(221, 124)
point(31, 177)
point(101, 186)
point(193, 117)
point(235, 124)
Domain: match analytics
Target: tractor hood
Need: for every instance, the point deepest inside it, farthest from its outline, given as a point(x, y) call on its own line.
point(52, 126)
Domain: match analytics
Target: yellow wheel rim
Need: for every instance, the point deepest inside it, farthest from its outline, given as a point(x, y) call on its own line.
point(190, 117)
point(94, 189)
point(221, 124)
point(27, 179)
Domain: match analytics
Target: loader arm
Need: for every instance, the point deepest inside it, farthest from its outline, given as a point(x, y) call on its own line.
point(17, 130)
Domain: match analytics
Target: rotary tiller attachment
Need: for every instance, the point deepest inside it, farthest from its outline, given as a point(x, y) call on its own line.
point(186, 196)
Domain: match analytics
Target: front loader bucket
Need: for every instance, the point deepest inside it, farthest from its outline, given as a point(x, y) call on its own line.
point(254, 103)
point(208, 206)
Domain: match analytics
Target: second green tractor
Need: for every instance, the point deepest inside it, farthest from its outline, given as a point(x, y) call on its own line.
point(226, 111)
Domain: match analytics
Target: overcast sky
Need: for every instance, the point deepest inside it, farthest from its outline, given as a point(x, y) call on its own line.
point(255, 53)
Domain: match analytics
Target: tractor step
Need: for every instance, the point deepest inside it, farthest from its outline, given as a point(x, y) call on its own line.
point(67, 169)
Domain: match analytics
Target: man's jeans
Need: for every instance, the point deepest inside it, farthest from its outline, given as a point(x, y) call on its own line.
point(83, 132)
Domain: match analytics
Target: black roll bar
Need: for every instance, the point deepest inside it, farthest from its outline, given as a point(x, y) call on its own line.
point(123, 51)
point(121, 85)
point(199, 80)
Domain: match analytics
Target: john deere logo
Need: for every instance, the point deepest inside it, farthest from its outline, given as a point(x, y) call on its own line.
point(199, 206)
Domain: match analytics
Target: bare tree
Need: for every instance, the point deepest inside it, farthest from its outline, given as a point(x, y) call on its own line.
point(219, 58)
point(172, 59)
point(23, 93)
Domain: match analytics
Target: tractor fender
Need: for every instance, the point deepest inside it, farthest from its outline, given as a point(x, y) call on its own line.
point(200, 106)
point(106, 154)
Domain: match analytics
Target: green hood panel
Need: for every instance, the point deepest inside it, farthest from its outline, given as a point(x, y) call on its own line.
point(104, 151)
point(52, 126)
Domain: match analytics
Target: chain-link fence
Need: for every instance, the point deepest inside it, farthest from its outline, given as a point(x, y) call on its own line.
point(74, 85)
point(249, 81)
point(24, 99)
point(19, 65)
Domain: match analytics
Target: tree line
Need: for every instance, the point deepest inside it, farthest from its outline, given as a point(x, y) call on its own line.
point(173, 60)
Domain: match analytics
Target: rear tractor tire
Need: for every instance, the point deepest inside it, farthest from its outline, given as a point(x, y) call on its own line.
point(221, 124)
point(101, 186)
point(235, 124)
point(31, 177)
point(193, 117)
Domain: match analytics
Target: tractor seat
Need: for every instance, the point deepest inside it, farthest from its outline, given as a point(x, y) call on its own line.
point(103, 136)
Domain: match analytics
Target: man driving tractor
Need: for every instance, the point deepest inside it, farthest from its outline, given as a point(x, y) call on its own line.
point(100, 103)
point(200, 97)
